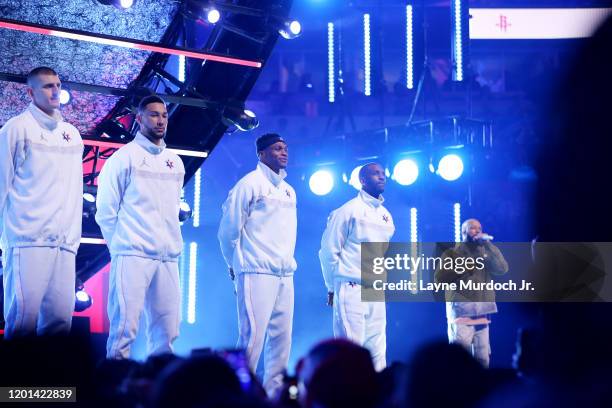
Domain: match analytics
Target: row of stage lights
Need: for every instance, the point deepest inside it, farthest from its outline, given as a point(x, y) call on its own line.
point(405, 173)
point(288, 29)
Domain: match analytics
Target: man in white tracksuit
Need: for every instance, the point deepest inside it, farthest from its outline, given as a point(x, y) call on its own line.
point(139, 192)
point(257, 236)
point(41, 208)
point(362, 219)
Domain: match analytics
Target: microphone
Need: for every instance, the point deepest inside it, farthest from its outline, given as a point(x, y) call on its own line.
point(486, 237)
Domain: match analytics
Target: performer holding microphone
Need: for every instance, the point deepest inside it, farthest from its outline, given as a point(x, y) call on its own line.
point(468, 312)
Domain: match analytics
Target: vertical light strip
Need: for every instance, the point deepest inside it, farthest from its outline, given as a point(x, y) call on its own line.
point(181, 68)
point(414, 246)
point(409, 48)
point(457, 37)
point(457, 221)
point(331, 70)
point(413, 225)
point(196, 197)
point(183, 278)
point(367, 62)
point(191, 286)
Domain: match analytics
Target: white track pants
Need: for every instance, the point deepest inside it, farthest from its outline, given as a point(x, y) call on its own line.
point(38, 291)
point(141, 283)
point(265, 311)
point(361, 322)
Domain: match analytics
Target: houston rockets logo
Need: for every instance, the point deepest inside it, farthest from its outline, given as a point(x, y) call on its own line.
point(66, 137)
point(169, 164)
point(503, 23)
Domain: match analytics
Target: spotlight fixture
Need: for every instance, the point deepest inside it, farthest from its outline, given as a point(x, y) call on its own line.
point(450, 167)
point(112, 129)
point(89, 193)
point(290, 29)
point(82, 300)
point(184, 211)
point(243, 119)
point(89, 201)
point(65, 97)
point(321, 182)
point(212, 15)
point(120, 4)
point(405, 172)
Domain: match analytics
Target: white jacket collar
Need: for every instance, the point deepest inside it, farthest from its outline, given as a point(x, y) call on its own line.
point(368, 199)
point(44, 120)
point(149, 146)
point(271, 175)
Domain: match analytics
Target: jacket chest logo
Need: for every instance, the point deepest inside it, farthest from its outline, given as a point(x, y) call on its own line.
point(288, 193)
point(144, 162)
point(66, 137)
point(169, 164)
point(385, 218)
point(42, 137)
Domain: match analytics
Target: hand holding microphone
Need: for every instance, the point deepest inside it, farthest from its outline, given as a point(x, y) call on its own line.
point(483, 237)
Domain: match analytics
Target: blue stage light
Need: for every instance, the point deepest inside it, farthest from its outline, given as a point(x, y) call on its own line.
point(213, 16)
point(321, 182)
point(184, 211)
point(405, 172)
point(460, 38)
point(82, 296)
point(120, 4)
point(82, 300)
point(65, 97)
point(295, 27)
point(191, 282)
point(197, 184)
point(450, 167)
point(331, 70)
point(409, 48)
point(414, 225)
point(290, 29)
point(367, 62)
point(457, 221)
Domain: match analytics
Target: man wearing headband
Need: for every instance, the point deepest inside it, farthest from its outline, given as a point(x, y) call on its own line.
point(257, 236)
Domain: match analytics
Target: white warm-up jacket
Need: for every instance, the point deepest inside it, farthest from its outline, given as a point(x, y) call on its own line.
point(259, 224)
point(41, 182)
point(362, 219)
point(139, 190)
